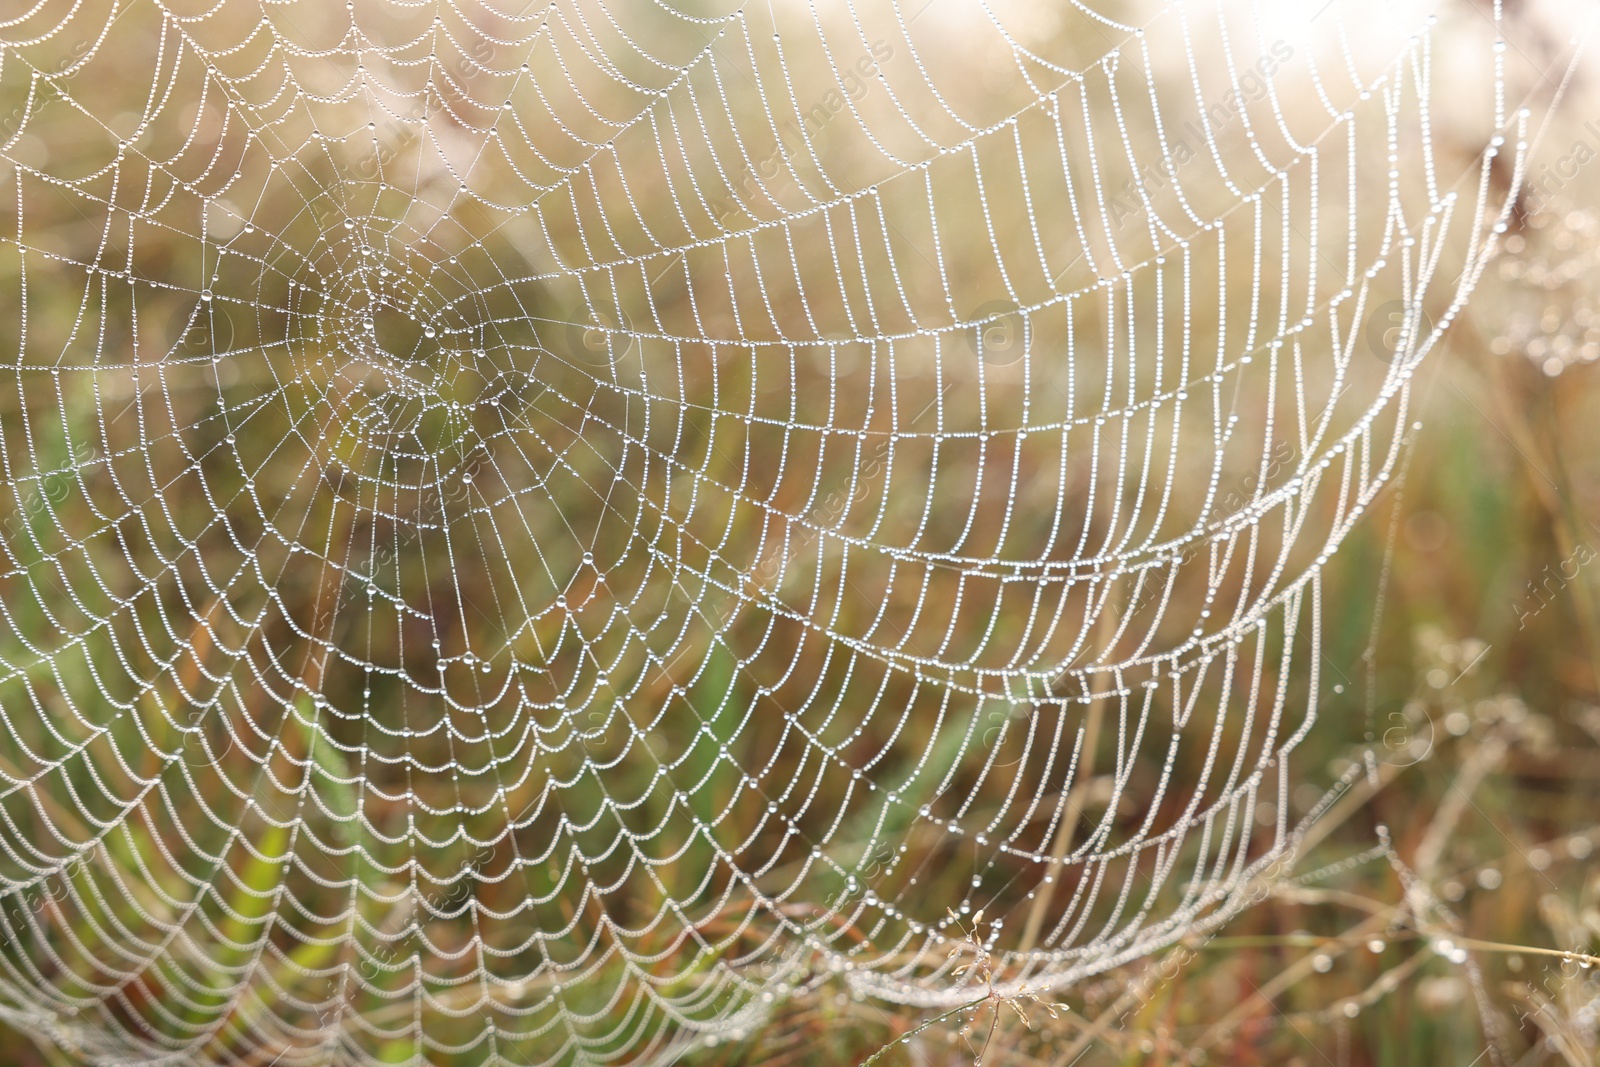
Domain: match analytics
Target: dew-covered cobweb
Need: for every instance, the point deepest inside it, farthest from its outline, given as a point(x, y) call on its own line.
point(545, 532)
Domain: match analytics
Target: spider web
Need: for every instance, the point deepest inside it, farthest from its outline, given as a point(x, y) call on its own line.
point(541, 534)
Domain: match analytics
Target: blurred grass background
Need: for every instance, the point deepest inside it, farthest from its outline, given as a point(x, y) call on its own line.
point(1465, 620)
